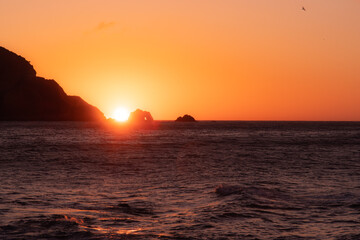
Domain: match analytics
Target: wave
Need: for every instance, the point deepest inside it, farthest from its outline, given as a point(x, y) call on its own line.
point(45, 227)
point(225, 190)
point(138, 208)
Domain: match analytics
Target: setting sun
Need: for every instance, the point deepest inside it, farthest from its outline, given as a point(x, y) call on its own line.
point(121, 114)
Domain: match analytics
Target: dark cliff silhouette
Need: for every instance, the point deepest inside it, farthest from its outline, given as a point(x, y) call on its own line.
point(140, 117)
point(26, 97)
point(185, 118)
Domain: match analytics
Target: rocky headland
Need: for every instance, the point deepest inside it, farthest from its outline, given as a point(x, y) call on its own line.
point(27, 97)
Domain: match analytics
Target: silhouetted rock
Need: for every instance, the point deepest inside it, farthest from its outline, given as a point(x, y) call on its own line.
point(24, 96)
point(185, 118)
point(140, 117)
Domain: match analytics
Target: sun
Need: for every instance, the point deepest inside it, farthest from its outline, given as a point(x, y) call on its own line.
point(121, 114)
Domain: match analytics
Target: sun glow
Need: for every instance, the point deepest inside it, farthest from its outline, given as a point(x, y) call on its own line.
point(121, 114)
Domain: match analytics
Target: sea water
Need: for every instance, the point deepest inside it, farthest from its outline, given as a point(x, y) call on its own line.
point(204, 180)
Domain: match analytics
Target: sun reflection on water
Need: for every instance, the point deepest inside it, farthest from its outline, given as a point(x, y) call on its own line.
point(73, 219)
point(114, 230)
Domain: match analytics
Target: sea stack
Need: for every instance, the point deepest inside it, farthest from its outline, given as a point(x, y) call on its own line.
point(185, 118)
point(140, 117)
point(27, 97)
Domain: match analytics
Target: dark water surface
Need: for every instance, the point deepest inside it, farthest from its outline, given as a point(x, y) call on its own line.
point(208, 180)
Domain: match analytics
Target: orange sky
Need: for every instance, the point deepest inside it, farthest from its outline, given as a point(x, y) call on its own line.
point(222, 60)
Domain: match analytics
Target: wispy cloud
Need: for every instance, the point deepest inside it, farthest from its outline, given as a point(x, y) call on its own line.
point(100, 27)
point(104, 25)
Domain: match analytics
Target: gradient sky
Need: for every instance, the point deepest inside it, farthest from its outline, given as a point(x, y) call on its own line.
point(222, 60)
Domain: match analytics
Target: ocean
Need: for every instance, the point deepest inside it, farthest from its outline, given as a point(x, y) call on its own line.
point(204, 180)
